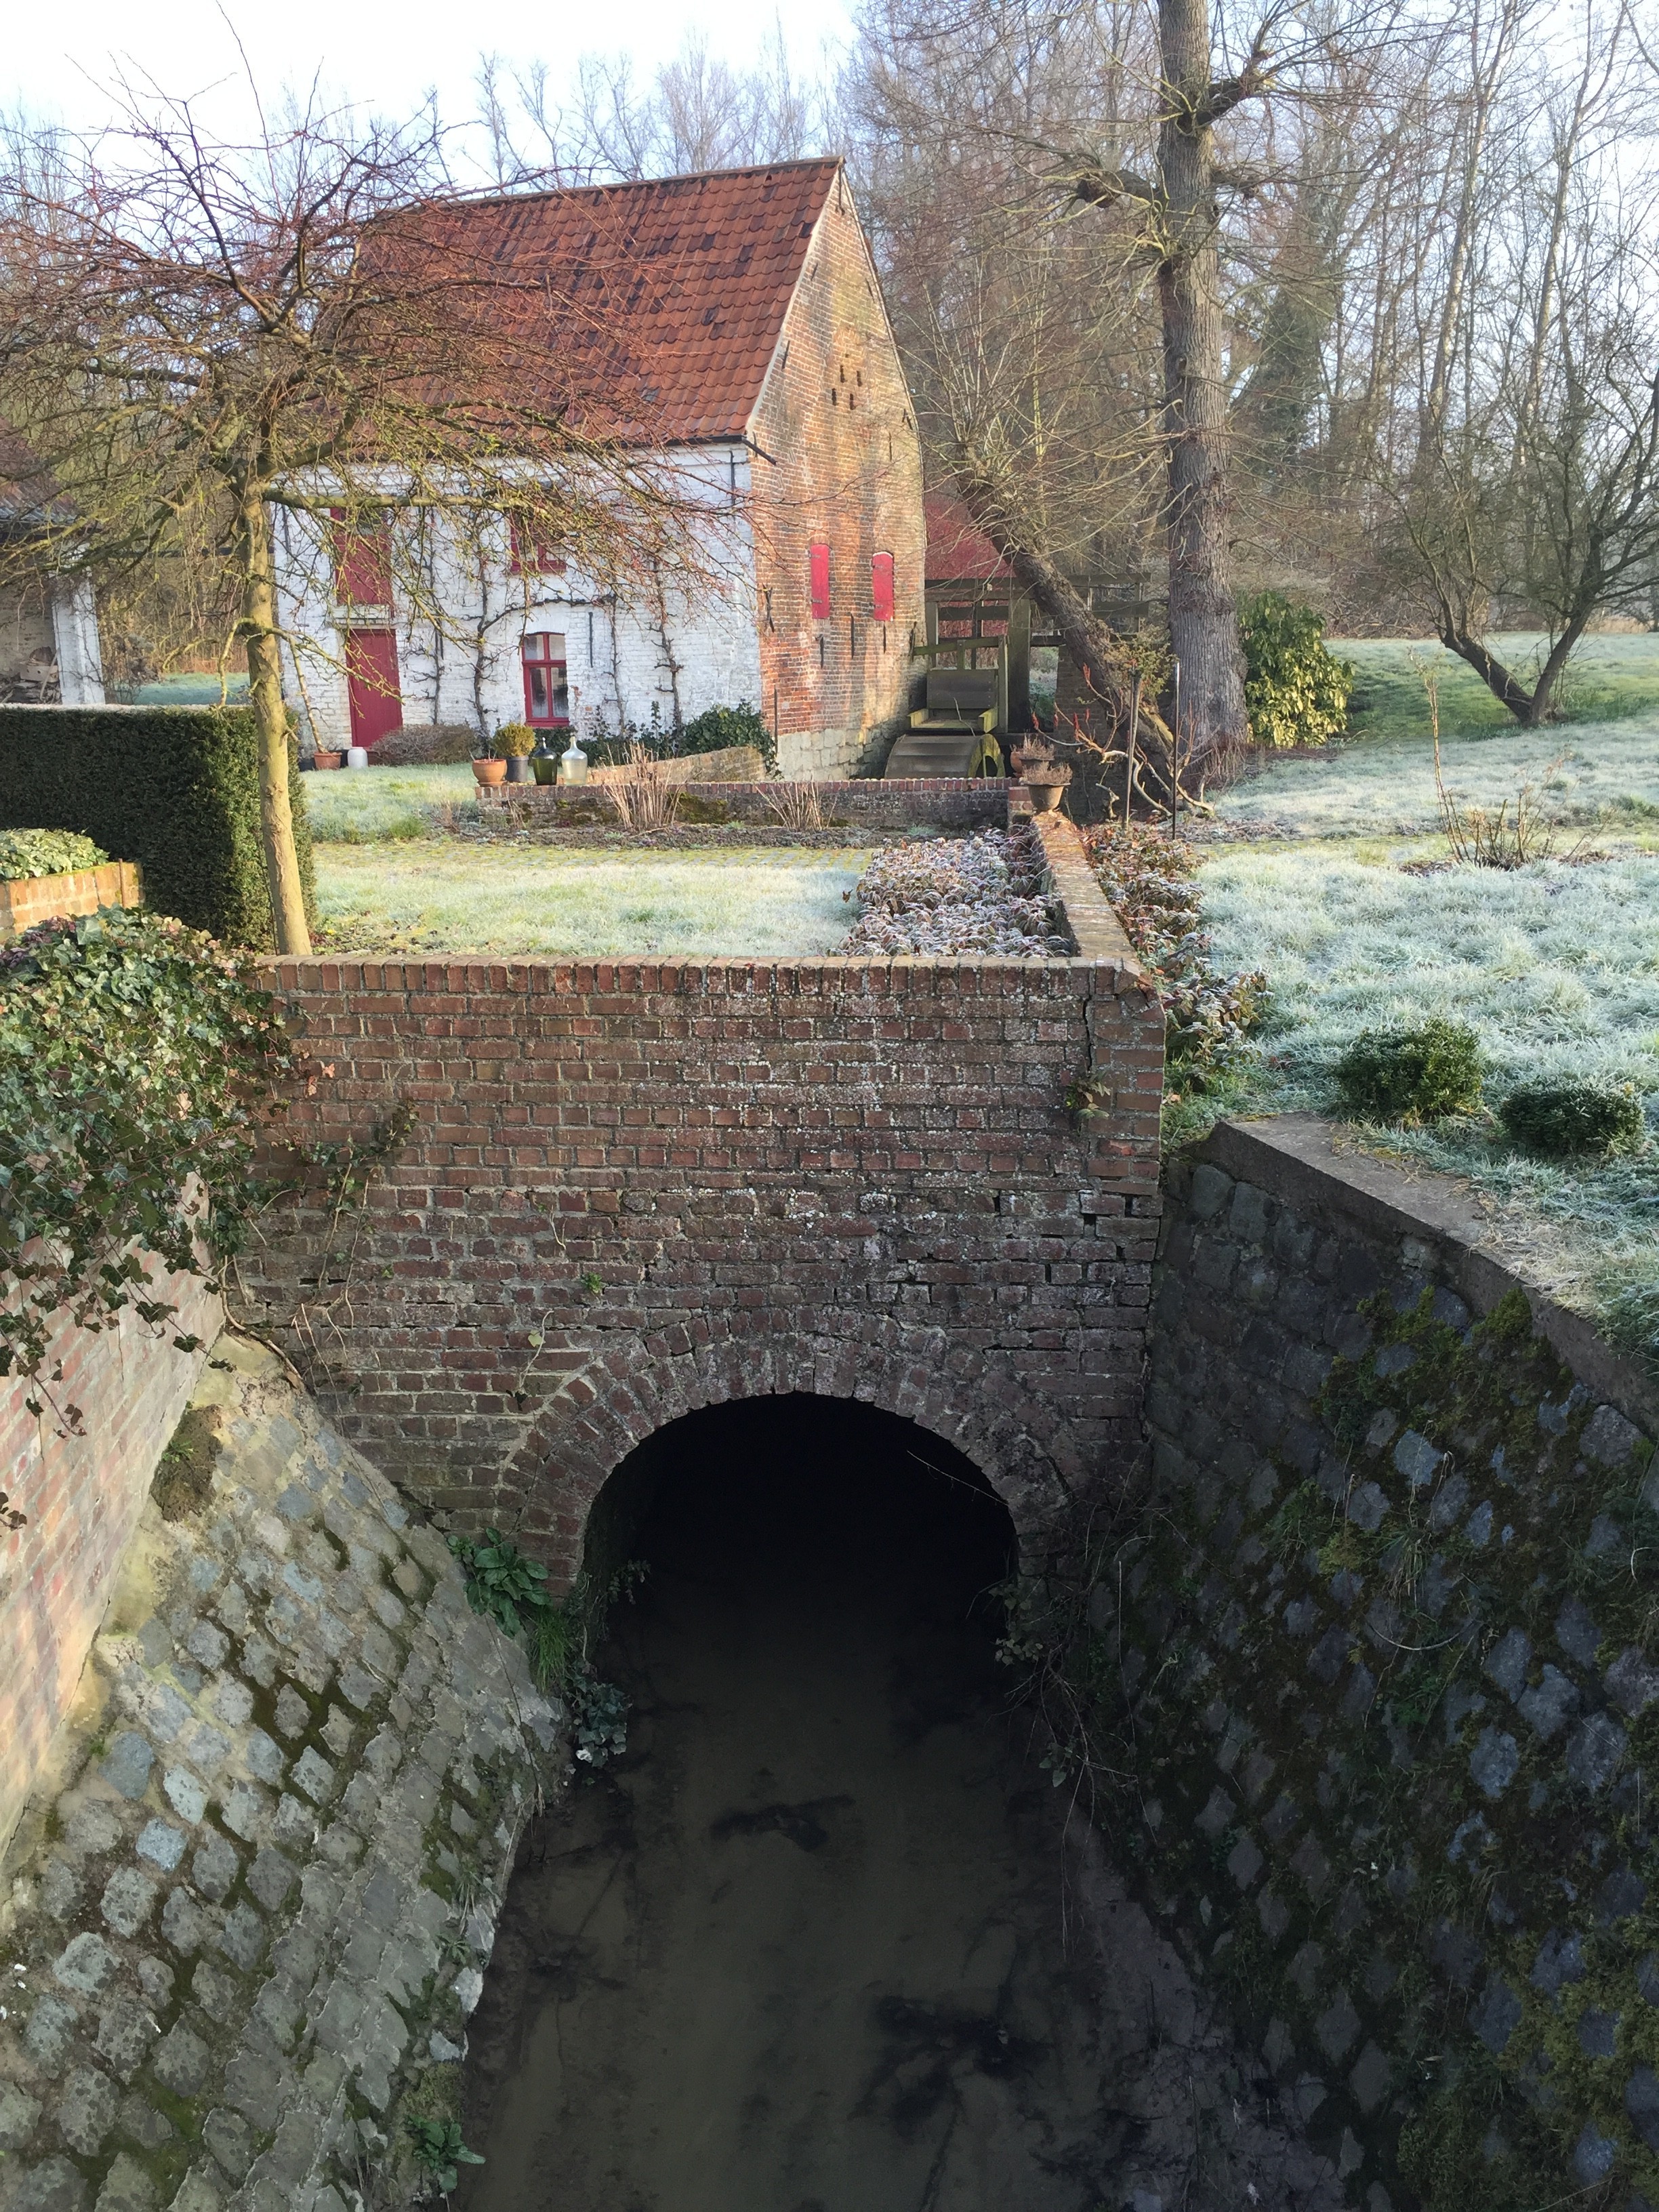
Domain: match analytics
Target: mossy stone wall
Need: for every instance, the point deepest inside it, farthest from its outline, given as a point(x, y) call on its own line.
point(1383, 1660)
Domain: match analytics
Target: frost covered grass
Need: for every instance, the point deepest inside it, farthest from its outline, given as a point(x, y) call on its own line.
point(1554, 967)
point(440, 894)
point(385, 805)
point(1380, 781)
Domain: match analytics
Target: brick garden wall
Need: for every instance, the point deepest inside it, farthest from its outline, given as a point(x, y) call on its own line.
point(633, 1188)
point(1391, 1698)
point(942, 803)
point(83, 1495)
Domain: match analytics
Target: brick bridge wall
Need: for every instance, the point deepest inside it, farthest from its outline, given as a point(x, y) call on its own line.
point(635, 1188)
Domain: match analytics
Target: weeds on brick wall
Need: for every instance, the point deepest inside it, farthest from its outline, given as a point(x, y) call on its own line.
point(1208, 1015)
point(503, 1582)
point(137, 1066)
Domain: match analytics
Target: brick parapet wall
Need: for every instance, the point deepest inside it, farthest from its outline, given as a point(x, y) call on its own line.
point(83, 1495)
point(34, 899)
point(1392, 1678)
point(943, 803)
point(635, 1187)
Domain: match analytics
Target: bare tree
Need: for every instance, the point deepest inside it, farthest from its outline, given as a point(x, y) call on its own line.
point(301, 326)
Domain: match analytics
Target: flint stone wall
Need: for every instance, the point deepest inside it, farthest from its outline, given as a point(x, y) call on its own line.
point(1390, 1679)
point(247, 1914)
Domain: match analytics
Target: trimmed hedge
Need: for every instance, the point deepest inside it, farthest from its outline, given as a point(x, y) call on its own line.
point(176, 788)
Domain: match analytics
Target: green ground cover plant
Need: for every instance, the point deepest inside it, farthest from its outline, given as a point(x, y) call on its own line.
point(26, 854)
point(1296, 690)
point(1412, 1074)
point(438, 894)
point(136, 1058)
point(1560, 1119)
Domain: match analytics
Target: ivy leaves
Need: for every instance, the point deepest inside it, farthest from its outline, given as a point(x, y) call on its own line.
point(137, 1062)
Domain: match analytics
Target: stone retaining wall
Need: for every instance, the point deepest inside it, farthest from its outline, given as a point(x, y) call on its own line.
point(81, 1492)
point(247, 1913)
point(1391, 1678)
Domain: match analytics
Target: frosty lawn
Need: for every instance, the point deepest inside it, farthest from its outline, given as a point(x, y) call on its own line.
point(370, 805)
point(1381, 782)
point(441, 895)
point(1555, 967)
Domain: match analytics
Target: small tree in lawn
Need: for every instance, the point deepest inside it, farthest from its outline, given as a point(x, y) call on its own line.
point(299, 324)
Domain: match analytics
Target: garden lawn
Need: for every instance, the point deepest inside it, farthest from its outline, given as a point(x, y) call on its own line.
point(1554, 966)
point(441, 895)
point(370, 805)
point(1600, 771)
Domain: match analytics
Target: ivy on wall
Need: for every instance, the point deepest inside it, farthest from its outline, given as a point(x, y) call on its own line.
point(137, 1061)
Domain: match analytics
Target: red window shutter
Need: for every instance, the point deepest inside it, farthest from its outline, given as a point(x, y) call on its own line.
point(818, 571)
point(881, 587)
point(362, 563)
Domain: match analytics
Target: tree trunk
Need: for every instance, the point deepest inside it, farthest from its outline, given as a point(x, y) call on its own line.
point(264, 676)
point(1203, 622)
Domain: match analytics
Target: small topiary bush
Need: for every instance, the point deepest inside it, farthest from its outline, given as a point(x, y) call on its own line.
point(1411, 1075)
point(1295, 692)
point(25, 853)
point(1560, 1119)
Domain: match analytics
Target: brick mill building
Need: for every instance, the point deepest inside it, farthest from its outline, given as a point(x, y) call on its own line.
point(744, 305)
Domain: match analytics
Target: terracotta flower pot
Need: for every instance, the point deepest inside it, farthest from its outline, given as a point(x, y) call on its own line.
point(490, 771)
point(329, 760)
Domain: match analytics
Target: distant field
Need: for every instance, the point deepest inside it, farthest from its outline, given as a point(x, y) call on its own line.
point(1603, 768)
point(439, 895)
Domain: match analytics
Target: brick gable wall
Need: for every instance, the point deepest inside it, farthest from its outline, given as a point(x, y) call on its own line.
point(836, 419)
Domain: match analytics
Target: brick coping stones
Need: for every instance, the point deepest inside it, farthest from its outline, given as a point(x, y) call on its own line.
point(253, 1899)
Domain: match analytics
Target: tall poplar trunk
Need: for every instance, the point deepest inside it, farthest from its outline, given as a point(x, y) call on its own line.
point(1203, 622)
point(264, 676)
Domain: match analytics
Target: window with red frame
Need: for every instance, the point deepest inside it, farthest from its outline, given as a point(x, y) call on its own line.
point(535, 553)
point(818, 572)
point(546, 696)
point(362, 563)
point(881, 587)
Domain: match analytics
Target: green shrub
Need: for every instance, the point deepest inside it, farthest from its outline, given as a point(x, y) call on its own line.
point(135, 1057)
point(176, 788)
point(1295, 692)
point(27, 852)
point(1411, 1075)
point(716, 728)
point(1558, 1119)
point(515, 741)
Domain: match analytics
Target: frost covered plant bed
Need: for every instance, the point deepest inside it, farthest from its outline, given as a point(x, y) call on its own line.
point(958, 894)
point(1209, 1011)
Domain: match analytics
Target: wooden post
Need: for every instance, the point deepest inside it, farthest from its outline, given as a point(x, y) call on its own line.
point(1019, 661)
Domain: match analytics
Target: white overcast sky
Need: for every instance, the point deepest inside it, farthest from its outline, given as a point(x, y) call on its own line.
point(57, 59)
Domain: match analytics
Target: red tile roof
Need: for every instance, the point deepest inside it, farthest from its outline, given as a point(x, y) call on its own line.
point(668, 296)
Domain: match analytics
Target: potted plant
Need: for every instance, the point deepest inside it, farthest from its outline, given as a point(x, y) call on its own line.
point(517, 740)
point(1044, 777)
point(488, 769)
point(322, 759)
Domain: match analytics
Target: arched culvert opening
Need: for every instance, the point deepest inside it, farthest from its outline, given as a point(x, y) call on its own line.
point(802, 1945)
point(838, 1502)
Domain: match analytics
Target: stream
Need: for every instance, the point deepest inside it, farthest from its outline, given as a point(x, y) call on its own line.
point(819, 1942)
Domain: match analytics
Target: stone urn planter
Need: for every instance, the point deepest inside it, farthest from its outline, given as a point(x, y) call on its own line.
point(489, 771)
point(1045, 781)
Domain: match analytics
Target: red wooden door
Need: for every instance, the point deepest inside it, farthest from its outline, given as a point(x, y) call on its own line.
point(372, 689)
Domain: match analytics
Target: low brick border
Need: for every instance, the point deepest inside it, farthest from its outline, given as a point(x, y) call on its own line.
point(29, 900)
point(944, 803)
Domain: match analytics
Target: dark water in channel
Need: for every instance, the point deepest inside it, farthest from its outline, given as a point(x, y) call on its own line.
point(804, 1948)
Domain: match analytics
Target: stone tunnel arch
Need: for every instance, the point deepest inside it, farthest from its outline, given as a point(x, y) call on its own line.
point(610, 1400)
